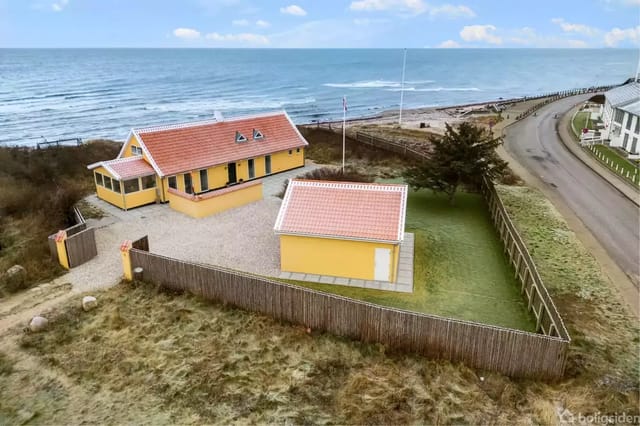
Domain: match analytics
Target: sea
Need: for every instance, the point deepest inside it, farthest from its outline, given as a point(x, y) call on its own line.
point(49, 94)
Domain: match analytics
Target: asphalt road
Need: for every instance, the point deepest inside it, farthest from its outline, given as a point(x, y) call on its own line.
point(612, 219)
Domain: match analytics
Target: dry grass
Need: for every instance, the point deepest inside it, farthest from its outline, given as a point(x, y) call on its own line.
point(38, 188)
point(147, 356)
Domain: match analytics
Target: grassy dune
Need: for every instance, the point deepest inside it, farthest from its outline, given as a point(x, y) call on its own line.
point(148, 356)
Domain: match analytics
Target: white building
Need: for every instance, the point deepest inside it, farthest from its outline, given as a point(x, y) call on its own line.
point(621, 118)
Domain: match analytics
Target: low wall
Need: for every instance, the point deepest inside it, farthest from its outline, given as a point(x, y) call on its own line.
point(511, 352)
point(215, 201)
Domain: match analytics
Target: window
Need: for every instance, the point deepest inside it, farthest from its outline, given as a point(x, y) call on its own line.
point(618, 116)
point(297, 149)
point(634, 146)
point(267, 164)
point(188, 186)
point(148, 182)
point(637, 131)
point(173, 182)
point(107, 182)
point(116, 186)
point(131, 185)
point(99, 179)
point(136, 150)
point(252, 169)
point(625, 140)
point(240, 137)
point(290, 152)
point(629, 117)
point(204, 180)
point(257, 134)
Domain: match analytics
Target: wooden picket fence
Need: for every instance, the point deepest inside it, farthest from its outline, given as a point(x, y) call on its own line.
point(511, 352)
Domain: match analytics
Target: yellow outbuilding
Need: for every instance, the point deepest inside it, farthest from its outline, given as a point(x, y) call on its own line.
point(342, 229)
point(205, 160)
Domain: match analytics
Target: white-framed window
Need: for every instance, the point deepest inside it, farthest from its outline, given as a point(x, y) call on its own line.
point(136, 150)
point(131, 185)
point(257, 134)
point(637, 130)
point(173, 182)
point(240, 137)
point(619, 115)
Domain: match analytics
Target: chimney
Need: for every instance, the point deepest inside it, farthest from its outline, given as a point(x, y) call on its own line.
point(218, 115)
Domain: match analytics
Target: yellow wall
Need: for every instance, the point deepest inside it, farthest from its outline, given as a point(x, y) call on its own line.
point(124, 201)
point(140, 198)
point(213, 204)
point(339, 258)
point(127, 148)
point(218, 175)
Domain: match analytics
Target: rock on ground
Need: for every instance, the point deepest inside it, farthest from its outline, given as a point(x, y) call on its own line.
point(38, 323)
point(89, 303)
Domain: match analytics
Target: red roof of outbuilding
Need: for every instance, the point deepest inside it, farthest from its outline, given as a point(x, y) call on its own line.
point(185, 147)
point(362, 211)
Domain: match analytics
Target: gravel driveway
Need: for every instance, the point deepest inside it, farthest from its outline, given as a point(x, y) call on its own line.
point(240, 238)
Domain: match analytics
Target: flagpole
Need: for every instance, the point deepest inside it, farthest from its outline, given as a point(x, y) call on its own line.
point(404, 64)
point(344, 121)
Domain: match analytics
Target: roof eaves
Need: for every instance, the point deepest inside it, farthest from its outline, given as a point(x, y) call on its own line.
point(338, 237)
point(146, 151)
point(296, 129)
point(285, 205)
point(403, 214)
point(124, 145)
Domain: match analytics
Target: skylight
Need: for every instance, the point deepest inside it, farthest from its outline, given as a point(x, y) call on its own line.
point(240, 137)
point(257, 134)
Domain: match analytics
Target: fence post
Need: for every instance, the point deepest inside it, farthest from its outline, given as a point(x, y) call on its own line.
point(63, 258)
point(125, 248)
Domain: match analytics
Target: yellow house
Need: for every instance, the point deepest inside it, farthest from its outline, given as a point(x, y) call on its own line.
point(342, 229)
point(189, 162)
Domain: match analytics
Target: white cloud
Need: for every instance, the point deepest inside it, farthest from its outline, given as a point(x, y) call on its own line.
point(412, 6)
point(262, 24)
point(249, 38)
point(577, 44)
point(57, 7)
point(448, 44)
point(293, 9)
point(452, 11)
point(239, 22)
point(568, 27)
point(480, 33)
point(186, 33)
point(616, 35)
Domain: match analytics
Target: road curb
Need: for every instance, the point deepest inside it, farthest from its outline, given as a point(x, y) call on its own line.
point(617, 182)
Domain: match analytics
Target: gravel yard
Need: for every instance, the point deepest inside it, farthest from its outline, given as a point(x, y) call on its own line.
point(240, 238)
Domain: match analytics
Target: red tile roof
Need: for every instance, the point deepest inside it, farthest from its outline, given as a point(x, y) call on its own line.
point(363, 211)
point(192, 146)
point(126, 168)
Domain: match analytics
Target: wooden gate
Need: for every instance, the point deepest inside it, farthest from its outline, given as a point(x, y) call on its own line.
point(81, 247)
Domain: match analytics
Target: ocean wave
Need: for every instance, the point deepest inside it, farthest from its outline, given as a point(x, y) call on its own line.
point(198, 106)
point(370, 84)
point(436, 89)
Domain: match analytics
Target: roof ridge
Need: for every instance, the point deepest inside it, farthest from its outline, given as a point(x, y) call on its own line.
point(188, 124)
point(368, 186)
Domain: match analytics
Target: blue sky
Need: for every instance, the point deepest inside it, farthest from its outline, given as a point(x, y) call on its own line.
point(319, 23)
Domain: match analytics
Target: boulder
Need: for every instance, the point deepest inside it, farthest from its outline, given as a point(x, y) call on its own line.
point(16, 270)
point(89, 303)
point(38, 323)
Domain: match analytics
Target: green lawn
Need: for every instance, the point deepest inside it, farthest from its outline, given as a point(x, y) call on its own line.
point(614, 158)
point(459, 271)
point(580, 122)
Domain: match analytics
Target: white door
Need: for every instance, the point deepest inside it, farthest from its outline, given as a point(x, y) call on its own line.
point(382, 264)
